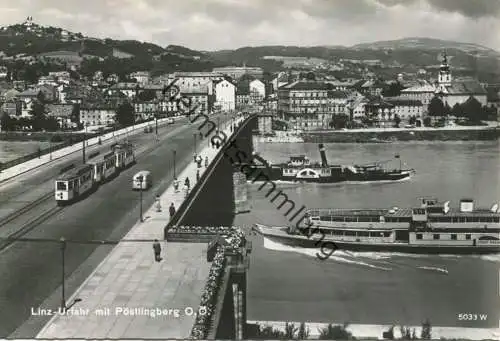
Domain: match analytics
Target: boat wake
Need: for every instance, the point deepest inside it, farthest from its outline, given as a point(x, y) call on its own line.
point(432, 268)
point(338, 256)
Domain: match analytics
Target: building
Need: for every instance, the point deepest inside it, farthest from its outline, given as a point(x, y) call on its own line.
point(47, 80)
point(12, 107)
point(449, 90)
point(242, 95)
point(62, 113)
point(265, 124)
point(225, 95)
point(129, 89)
point(406, 108)
point(257, 90)
point(423, 93)
point(493, 99)
point(3, 72)
point(306, 104)
point(28, 98)
point(141, 77)
point(145, 110)
point(97, 114)
point(236, 72)
point(190, 79)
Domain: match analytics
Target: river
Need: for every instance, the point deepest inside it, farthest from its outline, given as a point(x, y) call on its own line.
point(291, 284)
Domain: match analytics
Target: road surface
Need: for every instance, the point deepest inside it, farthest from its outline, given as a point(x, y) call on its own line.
point(30, 272)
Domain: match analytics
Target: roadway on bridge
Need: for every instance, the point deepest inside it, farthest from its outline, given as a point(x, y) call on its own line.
point(30, 272)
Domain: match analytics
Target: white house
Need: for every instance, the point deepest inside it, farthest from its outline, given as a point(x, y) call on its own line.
point(257, 89)
point(225, 95)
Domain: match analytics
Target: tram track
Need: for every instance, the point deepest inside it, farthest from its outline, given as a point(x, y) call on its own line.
point(47, 214)
point(28, 226)
point(14, 215)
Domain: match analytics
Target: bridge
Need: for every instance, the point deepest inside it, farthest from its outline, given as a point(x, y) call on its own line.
point(108, 284)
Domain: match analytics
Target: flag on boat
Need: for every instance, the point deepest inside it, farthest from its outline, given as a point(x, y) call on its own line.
point(396, 156)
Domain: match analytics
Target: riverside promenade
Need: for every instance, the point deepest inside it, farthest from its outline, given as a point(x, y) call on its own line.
point(130, 295)
point(27, 166)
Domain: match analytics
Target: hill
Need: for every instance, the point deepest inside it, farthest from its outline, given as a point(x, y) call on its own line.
point(29, 40)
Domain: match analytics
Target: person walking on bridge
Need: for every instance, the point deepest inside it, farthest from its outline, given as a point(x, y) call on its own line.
point(206, 161)
point(171, 210)
point(187, 183)
point(157, 250)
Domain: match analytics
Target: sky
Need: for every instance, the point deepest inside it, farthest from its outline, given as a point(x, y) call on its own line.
point(229, 24)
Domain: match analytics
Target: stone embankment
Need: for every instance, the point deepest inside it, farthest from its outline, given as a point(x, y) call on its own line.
point(393, 135)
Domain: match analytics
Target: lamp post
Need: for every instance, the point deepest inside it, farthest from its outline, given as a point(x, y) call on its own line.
point(139, 182)
point(84, 137)
point(194, 145)
point(63, 297)
point(65, 307)
point(175, 176)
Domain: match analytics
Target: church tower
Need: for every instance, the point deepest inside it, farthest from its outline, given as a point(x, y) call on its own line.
point(444, 77)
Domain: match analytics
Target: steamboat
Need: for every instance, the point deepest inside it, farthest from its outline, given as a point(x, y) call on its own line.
point(431, 228)
point(300, 168)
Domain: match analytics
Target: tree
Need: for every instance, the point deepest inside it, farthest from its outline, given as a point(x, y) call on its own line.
point(412, 120)
point(303, 332)
point(473, 109)
point(75, 113)
point(397, 120)
point(146, 95)
point(426, 333)
point(290, 331)
point(436, 107)
point(38, 115)
point(332, 332)
point(125, 114)
point(427, 121)
point(393, 90)
point(6, 122)
point(457, 110)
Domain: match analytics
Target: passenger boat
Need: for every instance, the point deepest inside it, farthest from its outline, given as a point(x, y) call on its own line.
point(300, 168)
point(431, 228)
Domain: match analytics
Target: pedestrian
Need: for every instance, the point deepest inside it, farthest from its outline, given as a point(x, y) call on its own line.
point(176, 185)
point(171, 209)
point(201, 135)
point(197, 175)
point(206, 161)
point(157, 250)
point(187, 183)
point(158, 204)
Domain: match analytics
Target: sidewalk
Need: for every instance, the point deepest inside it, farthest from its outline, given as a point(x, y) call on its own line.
point(45, 159)
point(130, 278)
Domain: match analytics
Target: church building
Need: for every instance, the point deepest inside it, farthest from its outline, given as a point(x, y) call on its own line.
point(453, 92)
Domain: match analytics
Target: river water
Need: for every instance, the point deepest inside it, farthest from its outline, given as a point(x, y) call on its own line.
point(291, 284)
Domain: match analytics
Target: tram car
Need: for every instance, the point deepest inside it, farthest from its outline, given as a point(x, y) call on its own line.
point(104, 167)
point(74, 184)
point(124, 154)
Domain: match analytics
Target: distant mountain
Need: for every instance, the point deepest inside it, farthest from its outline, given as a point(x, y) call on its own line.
point(425, 43)
point(31, 40)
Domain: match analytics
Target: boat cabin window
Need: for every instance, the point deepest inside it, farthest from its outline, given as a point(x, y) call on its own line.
point(467, 237)
point(419, 211)
point(453, 237)
point(436, 236)
point(61, 186)
point(325, 218)
point(363, 234)
point(419, 236)
point(350, 233)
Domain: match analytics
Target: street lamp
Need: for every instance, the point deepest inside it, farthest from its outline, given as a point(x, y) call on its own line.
point(63, 298)
point(194, 145)
point(175, 176)
point(84, 137)
point(139, 180)
point(65, 307)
